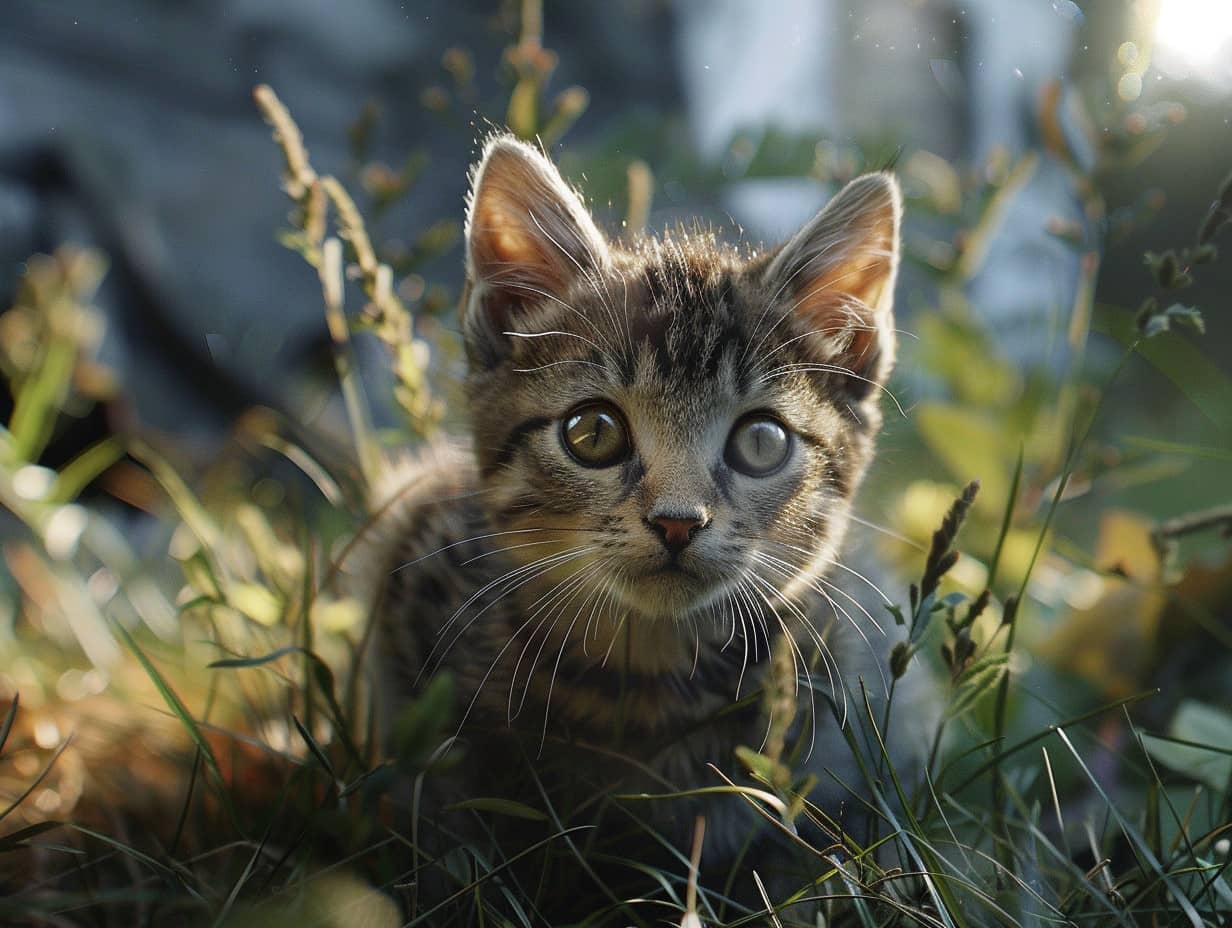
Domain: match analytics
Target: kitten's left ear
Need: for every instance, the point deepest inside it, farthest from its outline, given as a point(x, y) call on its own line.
point(838, 273)
point(529, 237)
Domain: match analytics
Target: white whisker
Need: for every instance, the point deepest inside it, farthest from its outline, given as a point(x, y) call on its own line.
point(535, 569)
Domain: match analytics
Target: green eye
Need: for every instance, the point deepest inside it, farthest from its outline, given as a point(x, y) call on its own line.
point(758, 445)
point(595, 435)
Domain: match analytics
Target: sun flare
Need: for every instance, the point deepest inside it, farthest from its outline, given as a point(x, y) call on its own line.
point(1194, 39)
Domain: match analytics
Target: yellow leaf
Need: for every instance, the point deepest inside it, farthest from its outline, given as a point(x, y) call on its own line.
point(256, 602)
point(972, 446)
point(1111, 642)
point(336, 615)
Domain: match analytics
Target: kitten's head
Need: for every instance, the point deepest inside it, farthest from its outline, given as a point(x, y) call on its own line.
point(670, 423)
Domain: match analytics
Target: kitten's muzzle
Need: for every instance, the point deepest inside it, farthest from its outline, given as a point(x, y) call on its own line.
point(677, 529)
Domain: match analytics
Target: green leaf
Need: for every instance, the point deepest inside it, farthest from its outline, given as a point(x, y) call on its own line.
point(897, 612)
point(980, 237)
point(33, 784)
point(774, 152)
point(418, 728)
point(963, 354)
point(1198, 745)
point(41, 398)
point(254, 661)
point(978, 667)
point(189, 507)
point(1174, 447)
point(322, 676)
point(1202, 381)
point(174, 874)
point(315, 748)
point(967, 442)
point(500, 807)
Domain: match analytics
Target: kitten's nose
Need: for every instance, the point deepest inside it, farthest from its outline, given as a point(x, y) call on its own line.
point(677, 529)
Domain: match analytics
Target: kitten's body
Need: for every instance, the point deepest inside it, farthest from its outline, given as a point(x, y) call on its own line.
point(609, 610)
point(647, 715)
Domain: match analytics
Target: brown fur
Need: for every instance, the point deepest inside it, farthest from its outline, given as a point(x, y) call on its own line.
point(541, 585)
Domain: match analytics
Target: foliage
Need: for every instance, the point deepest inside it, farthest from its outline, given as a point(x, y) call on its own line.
point(1053, 792)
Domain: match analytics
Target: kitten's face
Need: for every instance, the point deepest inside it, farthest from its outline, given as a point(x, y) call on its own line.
point(673, 426)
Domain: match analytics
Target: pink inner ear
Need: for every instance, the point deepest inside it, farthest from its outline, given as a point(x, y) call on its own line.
point(504, 251)
point(843, 305)
point(529, 234)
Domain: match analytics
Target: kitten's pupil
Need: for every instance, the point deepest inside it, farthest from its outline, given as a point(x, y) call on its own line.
point(595, 436)
point(758, 446)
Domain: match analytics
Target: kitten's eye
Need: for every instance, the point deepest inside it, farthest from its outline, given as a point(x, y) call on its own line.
point(595, 435)
point(758, 445)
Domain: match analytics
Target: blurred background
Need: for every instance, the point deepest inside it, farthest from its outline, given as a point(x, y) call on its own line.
point(131, 126)
point(1045, 147)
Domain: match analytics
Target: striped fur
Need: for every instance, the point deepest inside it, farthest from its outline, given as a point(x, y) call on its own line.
point(539, 584)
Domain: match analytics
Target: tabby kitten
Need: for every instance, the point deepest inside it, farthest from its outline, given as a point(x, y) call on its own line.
point(667, 435)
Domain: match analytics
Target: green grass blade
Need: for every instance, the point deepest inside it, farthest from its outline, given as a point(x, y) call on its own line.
point(254, 661)
point(17, 840)
point(173, 876)
point(1041, 735)
point(498, 806)
point(6, 727)
point(315, 749)
point(34, 784)
point(425, 917)
point(85, 467)
point(1007, 518)
point(180, 711)
point(1131, 834)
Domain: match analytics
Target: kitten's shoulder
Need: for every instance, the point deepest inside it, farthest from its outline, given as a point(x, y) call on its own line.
point(413, 564)
point(422, 507)
point(438, 472)
point(419, 501)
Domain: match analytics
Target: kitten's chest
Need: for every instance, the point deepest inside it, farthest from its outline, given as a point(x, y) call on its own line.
point(672, 696)
point(600, 687)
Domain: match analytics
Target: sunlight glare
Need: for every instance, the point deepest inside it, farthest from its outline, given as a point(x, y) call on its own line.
point(1194, 39)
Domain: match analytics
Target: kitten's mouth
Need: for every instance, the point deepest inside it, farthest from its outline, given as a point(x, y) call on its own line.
point(672, 588)
point(672, 569)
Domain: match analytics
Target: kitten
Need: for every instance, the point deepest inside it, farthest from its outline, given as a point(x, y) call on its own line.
point(667, 436)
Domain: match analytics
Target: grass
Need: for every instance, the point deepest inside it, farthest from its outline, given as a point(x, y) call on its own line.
point(222, 767)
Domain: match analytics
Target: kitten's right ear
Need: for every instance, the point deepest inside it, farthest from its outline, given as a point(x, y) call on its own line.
point(838, 273)
point(528, 237)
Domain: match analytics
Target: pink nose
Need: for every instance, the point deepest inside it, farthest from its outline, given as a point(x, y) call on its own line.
point(675, 531)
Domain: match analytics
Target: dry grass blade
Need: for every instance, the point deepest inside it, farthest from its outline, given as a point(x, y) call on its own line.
point(765, 898)
point(352, 389)
point(691, 918)
point(299, 176)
